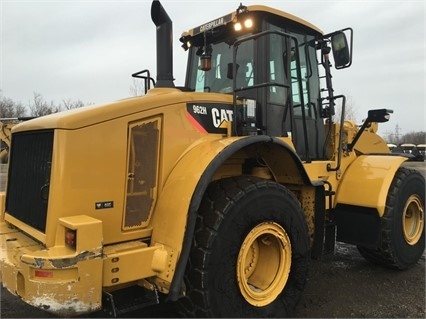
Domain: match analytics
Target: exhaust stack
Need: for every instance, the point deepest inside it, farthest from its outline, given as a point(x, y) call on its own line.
point(164, 45)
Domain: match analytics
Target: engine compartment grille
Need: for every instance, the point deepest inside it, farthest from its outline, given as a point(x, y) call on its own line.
point(29, 177)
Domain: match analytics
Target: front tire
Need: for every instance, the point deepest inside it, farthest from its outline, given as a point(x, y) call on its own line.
point(403, 224)
point(250, 252)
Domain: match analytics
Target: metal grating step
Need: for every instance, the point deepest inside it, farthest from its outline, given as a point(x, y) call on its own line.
point(128, 299)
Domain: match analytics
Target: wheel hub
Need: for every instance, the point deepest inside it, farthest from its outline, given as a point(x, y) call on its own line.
point(413, 220)
point(264, 263)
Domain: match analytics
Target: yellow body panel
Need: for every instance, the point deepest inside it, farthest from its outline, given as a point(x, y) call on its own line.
point(83, 173)
point(130, 261)
point(55, 278)
point(367, 180)
point(370, 141)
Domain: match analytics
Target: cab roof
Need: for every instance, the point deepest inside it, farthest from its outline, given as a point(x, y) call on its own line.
point(259, 9)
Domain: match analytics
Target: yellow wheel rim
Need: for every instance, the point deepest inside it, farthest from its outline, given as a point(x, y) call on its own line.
point(413, 220)
point(264, 263)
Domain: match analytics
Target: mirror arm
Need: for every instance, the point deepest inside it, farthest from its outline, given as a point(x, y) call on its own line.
point(358, 134)
point(379, 116)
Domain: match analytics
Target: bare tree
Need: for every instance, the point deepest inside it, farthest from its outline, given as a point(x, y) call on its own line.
point(20, 110)
point(71, 104)
point(9, 108)
point(38, 106)
point(41, 107)
point(414, 138)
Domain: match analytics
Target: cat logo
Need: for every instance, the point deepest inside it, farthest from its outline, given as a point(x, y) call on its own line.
point(220, 115)
point(208, 117)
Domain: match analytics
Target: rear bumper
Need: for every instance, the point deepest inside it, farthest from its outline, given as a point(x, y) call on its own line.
point(60, 280)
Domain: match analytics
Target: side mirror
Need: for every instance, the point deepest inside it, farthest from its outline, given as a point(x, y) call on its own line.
point(341, 51)
point(380, 115)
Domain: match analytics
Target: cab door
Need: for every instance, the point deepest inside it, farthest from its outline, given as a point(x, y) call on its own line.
point(308, 131)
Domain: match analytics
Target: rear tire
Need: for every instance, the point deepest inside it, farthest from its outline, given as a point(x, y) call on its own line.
point(250, 252)
point(402, 225)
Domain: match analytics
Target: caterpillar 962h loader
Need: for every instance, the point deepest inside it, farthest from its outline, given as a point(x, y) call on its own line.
point(216, 194)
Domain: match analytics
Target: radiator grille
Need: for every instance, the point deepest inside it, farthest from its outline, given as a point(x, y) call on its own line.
point(29, 177)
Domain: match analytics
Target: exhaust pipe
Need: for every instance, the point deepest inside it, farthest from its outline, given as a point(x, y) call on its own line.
point(164, 45)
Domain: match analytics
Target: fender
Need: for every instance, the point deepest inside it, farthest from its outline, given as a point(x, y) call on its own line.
point(177, 211)
point(367, 180)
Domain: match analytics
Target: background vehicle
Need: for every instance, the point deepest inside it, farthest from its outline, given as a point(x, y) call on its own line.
point(6, 125)
point(413, 150)
point(215, 195)
point(408, 147)
point(422, 149)
point(392, 146)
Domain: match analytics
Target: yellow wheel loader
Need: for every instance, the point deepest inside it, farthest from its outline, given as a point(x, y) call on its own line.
point(214, 195)
point(5, 132)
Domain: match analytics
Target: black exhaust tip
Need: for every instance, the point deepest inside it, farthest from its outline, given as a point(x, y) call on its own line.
point(164, 45)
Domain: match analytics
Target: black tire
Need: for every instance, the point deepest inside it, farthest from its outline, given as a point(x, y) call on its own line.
point(232, 210)
point(402, 225)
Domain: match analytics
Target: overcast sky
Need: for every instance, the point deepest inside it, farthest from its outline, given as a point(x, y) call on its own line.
point(87, 50)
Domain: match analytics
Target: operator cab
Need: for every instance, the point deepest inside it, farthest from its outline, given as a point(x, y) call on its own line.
point(268, 57)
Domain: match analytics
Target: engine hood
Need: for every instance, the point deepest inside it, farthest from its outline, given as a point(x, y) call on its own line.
point(94, 114)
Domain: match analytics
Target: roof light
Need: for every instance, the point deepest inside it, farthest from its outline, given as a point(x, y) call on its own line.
point(238, 26)
point(242, 18)
point(248, 23)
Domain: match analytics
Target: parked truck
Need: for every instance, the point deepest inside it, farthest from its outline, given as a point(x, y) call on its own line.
point(214, 195)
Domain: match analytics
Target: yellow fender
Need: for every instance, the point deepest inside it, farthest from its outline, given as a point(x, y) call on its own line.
point(367, 180)
point(176, 210)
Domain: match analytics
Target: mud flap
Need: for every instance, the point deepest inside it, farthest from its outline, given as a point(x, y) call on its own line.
point(357, 225)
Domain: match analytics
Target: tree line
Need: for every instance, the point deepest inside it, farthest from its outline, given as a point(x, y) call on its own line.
point(412, 138)
point(38, 106)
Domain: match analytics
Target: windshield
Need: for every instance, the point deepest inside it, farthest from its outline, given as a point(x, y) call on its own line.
point(220, 77)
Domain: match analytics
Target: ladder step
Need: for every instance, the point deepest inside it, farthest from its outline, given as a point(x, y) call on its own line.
point(128, 299)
